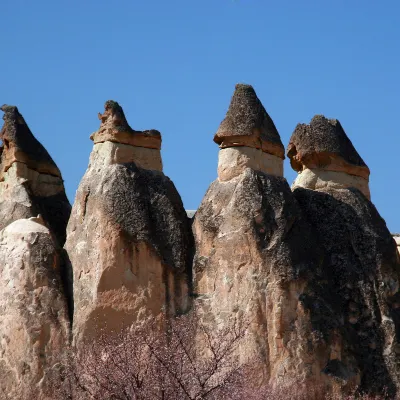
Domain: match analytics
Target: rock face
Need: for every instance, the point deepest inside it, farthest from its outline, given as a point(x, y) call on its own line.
point(315, 270)
point(34, 326)
point(312, 271)
point(30, 182)
point(129, 239)
point(254, 253)
point(354, 299)
point(325, 157)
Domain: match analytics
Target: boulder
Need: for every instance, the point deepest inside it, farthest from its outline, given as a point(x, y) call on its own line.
point(128, 239)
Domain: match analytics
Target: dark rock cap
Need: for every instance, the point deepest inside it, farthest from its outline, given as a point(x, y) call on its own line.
point(324, 144)
point(19, 144)
point(115, 128)
point(247, 123)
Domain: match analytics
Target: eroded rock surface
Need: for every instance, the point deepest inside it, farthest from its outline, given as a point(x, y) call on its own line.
point(34, 327)
point(324, 157)
point(248, 124)
point(129, 239)
point(254, 258)
point(354, 301)
point(30, 182)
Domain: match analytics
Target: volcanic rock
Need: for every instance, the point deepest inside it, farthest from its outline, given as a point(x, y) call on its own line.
point(324, 156)
point(248, 138)
point(129, 239)
point(34, 326)
point(254, 257)
point(354, 301)
point(30, 182)
point(115, 128)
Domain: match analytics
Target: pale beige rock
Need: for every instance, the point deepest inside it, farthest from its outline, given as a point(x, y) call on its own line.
point(40, 184)
point(118, 153)
point(251, 243)
point(128, 241)
point(320, 179)
point(232, 161)
point(33, 325)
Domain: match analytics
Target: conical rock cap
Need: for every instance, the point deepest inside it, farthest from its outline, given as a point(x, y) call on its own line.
point(115, 128)
point(19, 144)
point(324, 144)
point(247, 123)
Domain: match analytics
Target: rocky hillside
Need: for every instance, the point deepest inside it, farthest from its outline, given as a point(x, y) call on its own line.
point(312, 268)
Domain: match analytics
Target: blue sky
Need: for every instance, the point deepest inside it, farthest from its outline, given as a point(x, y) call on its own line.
point(173, 65)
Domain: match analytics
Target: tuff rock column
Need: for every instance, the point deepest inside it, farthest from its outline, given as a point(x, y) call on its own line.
point(253, 249)
point(129, 239)
point(34, 326)
point(354, 301)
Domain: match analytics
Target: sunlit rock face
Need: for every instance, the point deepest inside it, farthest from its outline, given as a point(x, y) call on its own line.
point(355, 301)
point(34, 210)
point(34, 325)
point(129, 240)
point(254, 250)
point(30, 182)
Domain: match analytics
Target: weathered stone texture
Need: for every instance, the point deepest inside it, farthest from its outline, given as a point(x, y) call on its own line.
point(129, 241)
point(34, 326)
point(248, 124)
point(323, 144)
point(30, 182)
point(115, 128)
point(353, 301)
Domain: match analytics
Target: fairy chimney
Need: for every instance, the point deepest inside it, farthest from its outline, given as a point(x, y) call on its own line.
point(128, 238)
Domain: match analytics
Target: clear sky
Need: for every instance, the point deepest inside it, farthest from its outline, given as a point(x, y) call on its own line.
point(173, 65)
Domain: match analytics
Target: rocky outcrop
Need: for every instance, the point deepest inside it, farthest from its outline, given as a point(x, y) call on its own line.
point(314, 270)
point(34, 327)
point(129, 239)
point(254, 256)
point(353, 301)
point(30, 182)
point(324, 157)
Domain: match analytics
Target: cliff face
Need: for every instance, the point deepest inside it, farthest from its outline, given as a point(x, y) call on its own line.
point(129, 239)
point(34, 326)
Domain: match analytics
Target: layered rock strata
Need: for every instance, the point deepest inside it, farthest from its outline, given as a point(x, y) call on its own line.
point(324, 157)
point(30, 182)
point(248, 137)
point(129, 239)
point(354, 301)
